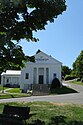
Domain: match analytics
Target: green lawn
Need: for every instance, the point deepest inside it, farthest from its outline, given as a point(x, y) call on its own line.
point(1, 88)
point(12, 90)
point(16, 92)
point(45, 113)
point(77, 82)
point(13, 95)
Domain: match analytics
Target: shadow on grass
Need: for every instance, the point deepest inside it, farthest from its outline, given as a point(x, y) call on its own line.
point(63, 90)
point(57, 120)
point(12, 96)
point(10, 120)
point(37, 122)
point(61, 120)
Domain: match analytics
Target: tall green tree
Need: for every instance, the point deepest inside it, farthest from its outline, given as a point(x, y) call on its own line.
point(66, 71)
point(78, 65)
point(18, 20)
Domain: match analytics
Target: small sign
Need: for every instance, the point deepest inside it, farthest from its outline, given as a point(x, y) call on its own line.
point(41, 59)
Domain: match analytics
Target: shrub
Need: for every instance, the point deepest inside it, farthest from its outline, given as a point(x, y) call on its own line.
point(82, 80)
point(55, 83)
point(7, 85)
point(69, 77)
point(15, 86)
point(78, 79)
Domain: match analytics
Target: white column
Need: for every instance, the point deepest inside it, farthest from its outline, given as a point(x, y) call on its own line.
point(44, 75)
point(37, 77)
point(2, 80)
point(5, 80)
point(11, 80)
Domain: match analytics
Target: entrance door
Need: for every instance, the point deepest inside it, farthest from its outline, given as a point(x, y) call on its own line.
point(41, 79)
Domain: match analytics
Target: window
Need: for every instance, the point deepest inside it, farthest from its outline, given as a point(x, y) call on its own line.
point(27, 76)
point(7, 80)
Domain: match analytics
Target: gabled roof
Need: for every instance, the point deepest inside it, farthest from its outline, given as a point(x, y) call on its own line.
point(39, 53)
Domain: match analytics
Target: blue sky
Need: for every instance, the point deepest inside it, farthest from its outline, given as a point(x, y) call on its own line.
point(62, 39)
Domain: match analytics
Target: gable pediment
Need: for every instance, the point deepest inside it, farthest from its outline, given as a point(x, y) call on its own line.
point(41, 57)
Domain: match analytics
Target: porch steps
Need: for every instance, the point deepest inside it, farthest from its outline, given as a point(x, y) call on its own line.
point(41, 89)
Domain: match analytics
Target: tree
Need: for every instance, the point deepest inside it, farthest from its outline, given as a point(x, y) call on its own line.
point(19, 19)
point(65, 71)
point(78, 65)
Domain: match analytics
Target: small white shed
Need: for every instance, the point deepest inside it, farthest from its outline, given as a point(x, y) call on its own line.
point(11, 77)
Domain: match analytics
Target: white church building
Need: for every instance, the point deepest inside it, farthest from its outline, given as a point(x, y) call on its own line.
point(42, 71)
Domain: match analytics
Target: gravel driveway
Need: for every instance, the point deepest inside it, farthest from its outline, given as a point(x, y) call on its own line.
point(75, 98)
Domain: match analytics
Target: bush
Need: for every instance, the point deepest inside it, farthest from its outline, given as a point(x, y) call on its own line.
point(15, 86)
point(78, 79)
point(82, 80)
point(69, 77)
point(55, 83)
point(7, 85)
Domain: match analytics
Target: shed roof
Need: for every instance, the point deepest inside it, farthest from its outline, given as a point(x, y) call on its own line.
point(12, 72)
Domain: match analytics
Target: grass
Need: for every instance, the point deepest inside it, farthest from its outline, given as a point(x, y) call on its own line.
point(14, 90)
point(13, 95)
point(45, 113)
point(16, 93)
point(1, 88)
point(77, 82)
